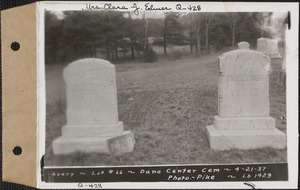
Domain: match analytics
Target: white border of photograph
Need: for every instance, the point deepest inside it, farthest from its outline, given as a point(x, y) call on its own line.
point(291, 93)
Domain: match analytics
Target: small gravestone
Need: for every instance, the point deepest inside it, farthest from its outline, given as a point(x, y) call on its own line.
point(92, 110)
point(269, 47)
point(273, 49)
point(282, 74)
point(283, 64)
point(121, 144)
point(263, 45)
point(243, 120)
point(243, 45)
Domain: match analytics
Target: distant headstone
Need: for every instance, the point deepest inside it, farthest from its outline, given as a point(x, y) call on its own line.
point(262, 45)
point(269, 47)
point(282, 74)
point(283, 64)
point(92, 112)
point(244, 45)
point(273, 49)
point(243, 120)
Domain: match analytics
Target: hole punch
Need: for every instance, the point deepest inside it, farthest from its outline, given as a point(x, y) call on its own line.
point(15, 46)
point(17, 150)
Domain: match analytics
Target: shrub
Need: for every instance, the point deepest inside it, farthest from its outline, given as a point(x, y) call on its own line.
point(177, 54)
point(149, 55)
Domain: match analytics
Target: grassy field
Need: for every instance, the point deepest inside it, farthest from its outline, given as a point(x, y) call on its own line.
point(167, 105)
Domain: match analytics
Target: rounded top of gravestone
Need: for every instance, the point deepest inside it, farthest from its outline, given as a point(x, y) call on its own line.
point(244, 45)
point(94, 61)
point(88, 67)
point(244, 51)
point(244, 61)
point(263, 39)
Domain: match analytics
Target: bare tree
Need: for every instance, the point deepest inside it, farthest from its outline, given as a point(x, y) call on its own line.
point(262, 21)
point(191, 31)
point(207, 20)
point(146, 32)
point(198, 38)
point(231, 19)
point(172, 30)
point(197, 23)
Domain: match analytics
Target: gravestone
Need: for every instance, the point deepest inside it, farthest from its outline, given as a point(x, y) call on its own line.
point(121, 144)
point(273, 49)
point(243, 120)
point(92, 110)
point(263, 45)
point(269, 47)
point(283, 64)
point(243, 45)
point(282, 74)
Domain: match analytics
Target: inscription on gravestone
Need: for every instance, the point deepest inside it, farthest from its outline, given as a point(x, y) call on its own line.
point(91, 93)
point(243, 85)
point(92, 113)
point(243, 120)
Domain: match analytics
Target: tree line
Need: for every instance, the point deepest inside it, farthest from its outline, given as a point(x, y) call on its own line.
point(116, 35)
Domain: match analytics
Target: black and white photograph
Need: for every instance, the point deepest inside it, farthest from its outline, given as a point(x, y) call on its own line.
point(150, 85)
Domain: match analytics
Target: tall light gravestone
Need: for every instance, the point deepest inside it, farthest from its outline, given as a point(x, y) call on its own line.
point(243, 120)
point(92, 112)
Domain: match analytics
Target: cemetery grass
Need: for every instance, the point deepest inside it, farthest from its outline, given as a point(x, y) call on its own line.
point(167, 105)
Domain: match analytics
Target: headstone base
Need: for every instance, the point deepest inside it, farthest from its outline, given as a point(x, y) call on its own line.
point(67, 145)
point(244, 122)
point(220, 139)
point(103, 130)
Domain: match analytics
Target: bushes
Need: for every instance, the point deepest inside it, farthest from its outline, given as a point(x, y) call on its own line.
point(177, 54)
point(149, 55)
